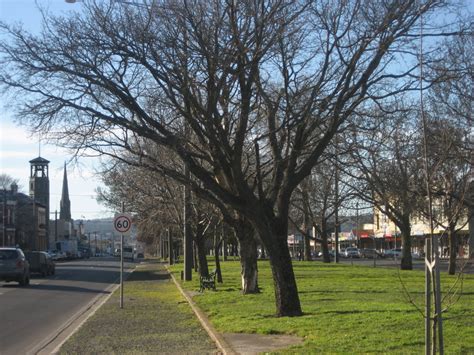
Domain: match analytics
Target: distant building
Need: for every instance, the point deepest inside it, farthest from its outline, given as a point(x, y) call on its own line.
point(386, 230)
point(39, 191)
point(64, 226)
point(23, 221)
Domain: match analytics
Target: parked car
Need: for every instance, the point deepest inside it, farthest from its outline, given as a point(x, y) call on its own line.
point(53, 254)
point(370, 253)
point(352, 252)
point(332, 254)
point(14, 266)
point(61, 255)
point(41, 263)
point(393, 253)
point(418, 255)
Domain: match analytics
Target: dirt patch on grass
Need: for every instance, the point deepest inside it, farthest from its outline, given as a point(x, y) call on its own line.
point(256, 343)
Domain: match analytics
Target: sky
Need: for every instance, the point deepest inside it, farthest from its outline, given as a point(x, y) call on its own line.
point(18, 146)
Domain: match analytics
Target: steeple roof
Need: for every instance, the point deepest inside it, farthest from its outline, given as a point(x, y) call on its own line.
point(39, 160)
point(65, 204)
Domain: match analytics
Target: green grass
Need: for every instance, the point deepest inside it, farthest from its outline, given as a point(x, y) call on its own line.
point(347, 309)
point(155, 319)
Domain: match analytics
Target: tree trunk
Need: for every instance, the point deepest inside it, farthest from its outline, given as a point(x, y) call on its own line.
point(201, 256)
point(406, 263)
point(195, 258)
point(307, 248)
point(324, 242)
point(224, 249)
point(217, 246)
point(275, 240)
point(248, 256)
point(453, 248)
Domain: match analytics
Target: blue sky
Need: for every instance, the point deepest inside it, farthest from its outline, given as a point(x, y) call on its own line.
point(18, 147)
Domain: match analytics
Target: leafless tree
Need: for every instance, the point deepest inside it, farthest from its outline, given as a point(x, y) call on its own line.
point(263, 87)
point(389, 170)
point(449, 133)
point(6, 181)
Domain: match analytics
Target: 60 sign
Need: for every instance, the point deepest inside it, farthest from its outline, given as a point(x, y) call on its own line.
point(122, 223)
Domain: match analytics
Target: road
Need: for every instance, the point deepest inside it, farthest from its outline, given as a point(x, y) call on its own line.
point(31, 317)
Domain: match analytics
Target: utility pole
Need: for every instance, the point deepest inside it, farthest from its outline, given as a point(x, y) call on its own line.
point(170, 248)
point(32, 246)
point(357, 225)
point(336, 204)
point(432, 252)
point(55, 226)
point(4, 210)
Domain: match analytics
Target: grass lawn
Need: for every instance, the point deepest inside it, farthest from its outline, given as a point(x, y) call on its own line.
point(347, 309)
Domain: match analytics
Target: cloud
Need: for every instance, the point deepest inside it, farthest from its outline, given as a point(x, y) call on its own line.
point(14, 154)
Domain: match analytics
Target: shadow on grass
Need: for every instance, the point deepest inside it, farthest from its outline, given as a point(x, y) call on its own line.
point(312, 314)
point(344, 291)
point(366, 311)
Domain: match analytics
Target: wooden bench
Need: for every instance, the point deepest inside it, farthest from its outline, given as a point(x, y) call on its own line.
point(208, 282)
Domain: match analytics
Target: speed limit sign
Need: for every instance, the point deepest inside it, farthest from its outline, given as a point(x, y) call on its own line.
point(123, 223)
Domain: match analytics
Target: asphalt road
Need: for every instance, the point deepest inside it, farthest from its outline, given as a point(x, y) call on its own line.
point(30, 317)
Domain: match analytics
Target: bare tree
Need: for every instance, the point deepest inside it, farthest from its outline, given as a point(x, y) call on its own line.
point(449, 135)
point(263, 87)
point(315, 202)
point(389, 171)
point(6, 181)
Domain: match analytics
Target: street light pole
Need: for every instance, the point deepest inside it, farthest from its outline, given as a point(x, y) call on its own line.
point(4, 215)
point(336, 204)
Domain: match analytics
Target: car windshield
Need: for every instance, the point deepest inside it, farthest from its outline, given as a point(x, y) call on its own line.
point(8, 254)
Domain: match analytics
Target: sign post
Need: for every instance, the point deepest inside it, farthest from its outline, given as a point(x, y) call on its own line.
point(122, 224)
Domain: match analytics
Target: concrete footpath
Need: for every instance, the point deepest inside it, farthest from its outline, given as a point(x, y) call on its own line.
point(177, 335)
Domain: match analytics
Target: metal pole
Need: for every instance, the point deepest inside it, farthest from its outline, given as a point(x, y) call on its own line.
point(188, 241)
point(56, 228)
point(170, 248)
point(357, 226)
point(336, 206)
point(121, 264)
point(4, 215)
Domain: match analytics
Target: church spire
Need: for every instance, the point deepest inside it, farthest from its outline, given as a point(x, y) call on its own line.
point(65, 204)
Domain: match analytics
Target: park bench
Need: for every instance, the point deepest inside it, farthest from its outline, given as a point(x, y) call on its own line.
point(208, 282)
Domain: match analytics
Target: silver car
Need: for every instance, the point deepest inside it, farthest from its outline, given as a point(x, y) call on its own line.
point(14, 266)
point(352, 253)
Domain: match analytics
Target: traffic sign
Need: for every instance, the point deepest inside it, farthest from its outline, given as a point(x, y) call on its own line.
point(123, 223)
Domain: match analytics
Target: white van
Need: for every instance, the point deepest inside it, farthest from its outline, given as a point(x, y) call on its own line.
point(128, 253)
